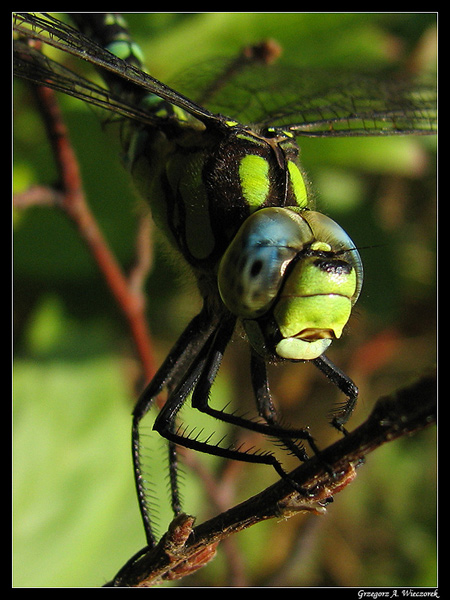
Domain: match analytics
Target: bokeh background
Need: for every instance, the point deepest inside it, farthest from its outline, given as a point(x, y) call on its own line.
point(76, 518)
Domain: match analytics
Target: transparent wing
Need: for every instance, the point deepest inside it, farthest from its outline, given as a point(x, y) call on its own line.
point(34, 66)
point(316, 102)
point(53, 32)
point(300, 101)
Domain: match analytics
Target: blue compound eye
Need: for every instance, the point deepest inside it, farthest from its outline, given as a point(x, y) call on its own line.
point(251, 270)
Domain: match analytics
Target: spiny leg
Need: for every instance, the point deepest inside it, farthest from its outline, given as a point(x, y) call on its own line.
point(345, 384)
point(267, 409)
point(200, 397)
point(165, 420)
point(173, 477)
point(169, 375)
point(206, 368)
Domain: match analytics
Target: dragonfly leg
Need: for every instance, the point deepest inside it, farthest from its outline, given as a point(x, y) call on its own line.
point(345, 384)
point(173, 478)
point(165, 421)
point(268, 411)
point(169, 375)
point(200, 397)
point(200, 377)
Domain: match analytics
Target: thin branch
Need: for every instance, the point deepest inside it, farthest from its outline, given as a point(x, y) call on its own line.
point(184, 548)
point(38, 195)
point(71, 199)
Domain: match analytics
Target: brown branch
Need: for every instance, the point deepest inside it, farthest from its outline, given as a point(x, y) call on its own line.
point(71, 199)
point(127, 293)
point(184, 548)
point(37, 195)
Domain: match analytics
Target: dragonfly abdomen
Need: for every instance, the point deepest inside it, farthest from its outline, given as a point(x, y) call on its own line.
point(110, 31)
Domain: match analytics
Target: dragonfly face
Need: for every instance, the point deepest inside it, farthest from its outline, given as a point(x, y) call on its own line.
point(293, 278)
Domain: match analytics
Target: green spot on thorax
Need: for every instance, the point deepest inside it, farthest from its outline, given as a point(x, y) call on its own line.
point(298, 185)
point(254, 179)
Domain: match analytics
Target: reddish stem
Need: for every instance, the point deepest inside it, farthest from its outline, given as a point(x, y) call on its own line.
point(130, 299)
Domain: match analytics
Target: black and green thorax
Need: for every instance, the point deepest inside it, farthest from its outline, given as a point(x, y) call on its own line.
point(203, 185)
point(202, 181)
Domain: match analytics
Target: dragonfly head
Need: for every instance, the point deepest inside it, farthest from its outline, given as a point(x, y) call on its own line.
point(293, 278)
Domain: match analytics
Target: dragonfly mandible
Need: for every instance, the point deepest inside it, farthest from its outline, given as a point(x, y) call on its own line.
point(231, 197)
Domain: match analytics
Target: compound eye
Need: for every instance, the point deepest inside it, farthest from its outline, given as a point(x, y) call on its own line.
point(252, 269)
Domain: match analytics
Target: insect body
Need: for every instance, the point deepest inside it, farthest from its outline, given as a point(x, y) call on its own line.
point(231, 198)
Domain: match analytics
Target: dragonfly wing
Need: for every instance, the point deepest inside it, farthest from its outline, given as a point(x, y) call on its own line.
point(64, 37)
point(315, 102)
point(32, 65)
point(302, 102)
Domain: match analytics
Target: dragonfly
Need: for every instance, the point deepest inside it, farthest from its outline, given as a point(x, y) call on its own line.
point(222, 176)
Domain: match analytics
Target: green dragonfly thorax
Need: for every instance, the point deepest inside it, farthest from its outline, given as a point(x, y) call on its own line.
point(202, 185)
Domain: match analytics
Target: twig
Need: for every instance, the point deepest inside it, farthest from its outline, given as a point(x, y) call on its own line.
point(185, 548)
point(71, 199)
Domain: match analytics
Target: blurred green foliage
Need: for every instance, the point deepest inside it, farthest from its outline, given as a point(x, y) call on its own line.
point(76, 519)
